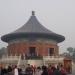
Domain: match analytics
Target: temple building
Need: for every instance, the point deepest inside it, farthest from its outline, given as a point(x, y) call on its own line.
point(33, 40)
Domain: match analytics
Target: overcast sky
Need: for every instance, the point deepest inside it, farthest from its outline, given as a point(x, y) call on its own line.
point(56, 15)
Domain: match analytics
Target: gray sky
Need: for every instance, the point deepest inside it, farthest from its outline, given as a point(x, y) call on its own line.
point(56, 15)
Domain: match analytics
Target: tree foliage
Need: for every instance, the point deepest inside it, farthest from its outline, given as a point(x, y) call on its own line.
point(3, 51)
point(71, 52)
point(70, 49)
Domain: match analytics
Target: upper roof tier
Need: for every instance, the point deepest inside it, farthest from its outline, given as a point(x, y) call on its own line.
point(33, 28)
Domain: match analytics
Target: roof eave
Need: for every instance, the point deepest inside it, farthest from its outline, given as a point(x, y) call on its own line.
point(8, 37)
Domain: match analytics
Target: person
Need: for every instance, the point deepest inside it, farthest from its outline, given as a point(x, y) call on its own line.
point(20, 71)
point(16, 70)
point(3, 71)
point(62, 70)
point(29, 70)
point(38, 71)
point(57, 71)
point(50, 71)
point(9, 70)
point(45, 71)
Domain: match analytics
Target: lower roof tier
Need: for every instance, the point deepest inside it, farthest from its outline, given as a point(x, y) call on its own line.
point(9, 37)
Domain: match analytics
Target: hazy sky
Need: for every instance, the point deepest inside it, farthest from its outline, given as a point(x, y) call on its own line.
point(56, 15)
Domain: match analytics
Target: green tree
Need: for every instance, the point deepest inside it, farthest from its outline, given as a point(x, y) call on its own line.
point(3, 51)
point(70, 50)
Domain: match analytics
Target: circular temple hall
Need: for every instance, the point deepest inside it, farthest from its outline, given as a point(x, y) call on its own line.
point(33, 40)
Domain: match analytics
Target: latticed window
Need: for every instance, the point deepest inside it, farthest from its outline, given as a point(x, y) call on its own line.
point(50, 51)
point(32, 51)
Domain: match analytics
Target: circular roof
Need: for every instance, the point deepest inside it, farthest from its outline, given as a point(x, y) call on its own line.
point(33, 28)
